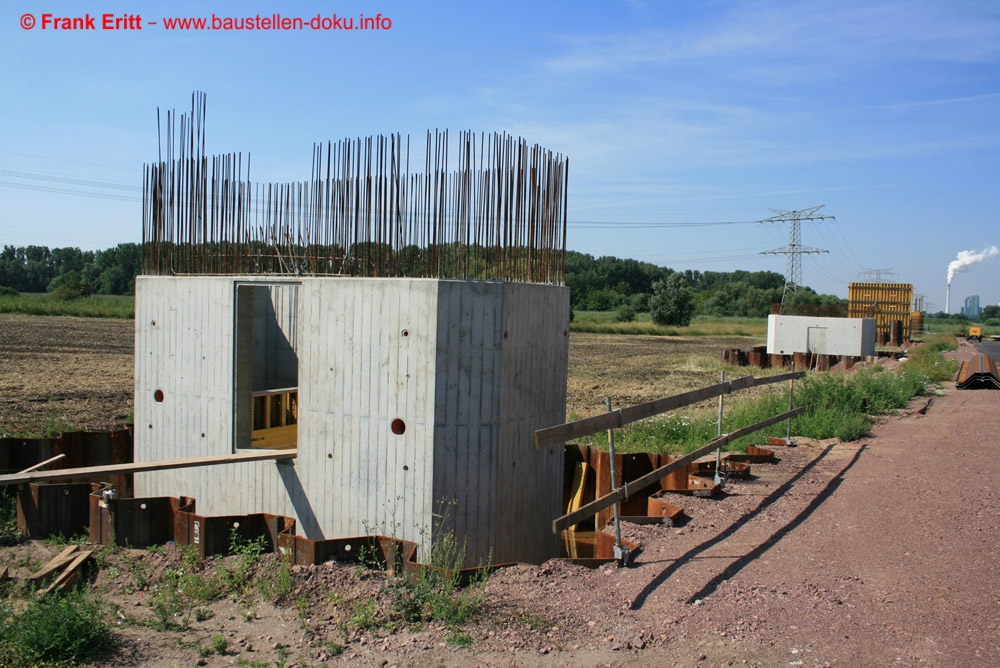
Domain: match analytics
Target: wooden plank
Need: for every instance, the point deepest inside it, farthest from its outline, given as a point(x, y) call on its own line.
point(71, 573)
point(56, 563)
point(275, 438)
point(642, 482)
point(138, 467)
point(41, 465)
point(567, 432)
point(769, 380)
point(593, 425)
point(657, 406)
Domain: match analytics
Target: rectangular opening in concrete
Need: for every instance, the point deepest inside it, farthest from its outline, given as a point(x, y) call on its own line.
point(265, 401)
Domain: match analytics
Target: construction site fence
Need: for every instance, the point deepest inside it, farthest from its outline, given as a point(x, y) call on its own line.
point(564, 433)
point(615, 419)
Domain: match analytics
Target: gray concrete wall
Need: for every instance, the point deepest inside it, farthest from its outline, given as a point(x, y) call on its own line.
point(466, 371)
point(367, 358)
point(185, 347)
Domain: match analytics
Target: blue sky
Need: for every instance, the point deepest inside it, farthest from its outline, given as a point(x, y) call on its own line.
point(671, 112)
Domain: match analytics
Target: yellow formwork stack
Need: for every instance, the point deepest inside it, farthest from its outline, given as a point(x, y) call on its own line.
point(886, 302)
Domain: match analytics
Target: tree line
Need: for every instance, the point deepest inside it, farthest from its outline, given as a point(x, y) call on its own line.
point(38, 269)
point(630, 286)
point(596, 284)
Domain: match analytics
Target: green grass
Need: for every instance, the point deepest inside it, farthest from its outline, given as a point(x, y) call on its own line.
point(9, 535)
point(604, 322)
point(836, 406)
point(54, 630)
point(94, 306)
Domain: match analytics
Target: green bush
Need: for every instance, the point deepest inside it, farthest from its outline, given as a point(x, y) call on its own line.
point(625, 313)
point(671, 303)
point(54, 630)
point(8, 292)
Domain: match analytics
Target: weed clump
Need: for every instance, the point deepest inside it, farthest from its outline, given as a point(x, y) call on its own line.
point(54, 630)
point(9, 534)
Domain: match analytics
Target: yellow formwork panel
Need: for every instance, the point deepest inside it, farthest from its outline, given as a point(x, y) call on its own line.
point(275, 419)
point(885, 302)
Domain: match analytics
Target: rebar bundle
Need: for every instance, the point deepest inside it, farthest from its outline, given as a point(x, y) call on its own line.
point(499, 214)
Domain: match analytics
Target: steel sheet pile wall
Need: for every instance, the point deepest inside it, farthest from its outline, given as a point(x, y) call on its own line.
point(491, 208)
point(885, 302)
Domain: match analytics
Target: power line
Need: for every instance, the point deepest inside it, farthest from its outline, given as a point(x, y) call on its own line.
point(877, 274)
point(620, 225)
point(794, 250)
point(65, 179)
point(65, 191)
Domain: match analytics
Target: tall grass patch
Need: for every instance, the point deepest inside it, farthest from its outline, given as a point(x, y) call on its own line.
point(93, 306)
point(607, 322)
point(836, 406)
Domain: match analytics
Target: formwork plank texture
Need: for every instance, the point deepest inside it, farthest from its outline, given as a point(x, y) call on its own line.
point(535, 357)
point(369, 360)
point(185, 337)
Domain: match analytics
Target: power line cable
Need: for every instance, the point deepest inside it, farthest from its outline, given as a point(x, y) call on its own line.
point(65, 179)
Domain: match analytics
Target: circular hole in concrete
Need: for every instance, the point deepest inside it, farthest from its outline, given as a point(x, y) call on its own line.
point(398, 427)
point(505, 335)
point(405, 467)
point(154, 323)
point(158, 396)
point(329, 456)
point(406, 333)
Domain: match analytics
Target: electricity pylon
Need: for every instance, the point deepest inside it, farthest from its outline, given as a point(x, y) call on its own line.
point(794, 250)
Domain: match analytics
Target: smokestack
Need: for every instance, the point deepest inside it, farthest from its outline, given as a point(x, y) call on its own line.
point(947, 299)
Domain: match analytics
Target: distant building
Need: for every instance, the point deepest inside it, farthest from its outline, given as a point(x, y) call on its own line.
point(971, 308)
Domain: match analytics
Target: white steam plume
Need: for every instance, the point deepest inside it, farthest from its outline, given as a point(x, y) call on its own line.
point(968, 258)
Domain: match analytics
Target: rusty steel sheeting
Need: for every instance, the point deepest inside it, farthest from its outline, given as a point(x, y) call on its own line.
point(84, 448)
point(658, 506)
point(754, 455)
point(136, 523)
point(157, 520)
point(727, 467)
point(978, 373)
point(494, 209)
point(45, 510)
